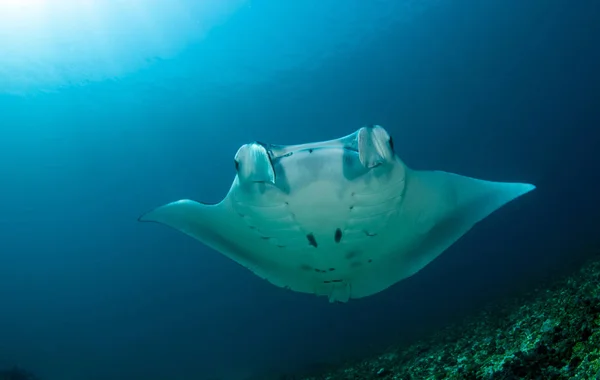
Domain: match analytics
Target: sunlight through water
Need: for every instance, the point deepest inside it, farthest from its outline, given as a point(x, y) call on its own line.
point(48, 44)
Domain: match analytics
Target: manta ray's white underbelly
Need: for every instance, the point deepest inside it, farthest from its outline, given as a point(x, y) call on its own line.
point(327, 231)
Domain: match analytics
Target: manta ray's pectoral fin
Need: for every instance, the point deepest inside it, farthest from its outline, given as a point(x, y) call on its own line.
point(218, 227)
point(205, 223)
point(438, 209)
point(450, 206)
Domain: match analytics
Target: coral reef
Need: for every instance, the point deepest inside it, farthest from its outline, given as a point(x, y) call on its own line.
point(551, 333)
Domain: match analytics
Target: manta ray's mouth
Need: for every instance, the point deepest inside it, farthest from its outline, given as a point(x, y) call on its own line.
point(373, 145)
point(277, 152)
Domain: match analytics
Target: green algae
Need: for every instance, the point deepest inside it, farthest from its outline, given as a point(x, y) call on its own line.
point(551, 333)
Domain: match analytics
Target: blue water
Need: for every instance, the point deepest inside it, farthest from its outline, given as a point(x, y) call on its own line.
point(148, 104)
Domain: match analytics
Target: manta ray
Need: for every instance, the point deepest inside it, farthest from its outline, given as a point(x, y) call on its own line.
point(343, 218)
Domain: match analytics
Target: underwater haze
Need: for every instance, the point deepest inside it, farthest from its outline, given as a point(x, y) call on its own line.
point(109, 109)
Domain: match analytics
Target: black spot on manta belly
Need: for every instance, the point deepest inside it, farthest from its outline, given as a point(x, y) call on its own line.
point(311, 240)
point(338, 235)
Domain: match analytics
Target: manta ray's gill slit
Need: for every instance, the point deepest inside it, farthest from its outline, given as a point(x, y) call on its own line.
point(372, 211)
point(330, 281)
point(320, 270)
point(390, 192)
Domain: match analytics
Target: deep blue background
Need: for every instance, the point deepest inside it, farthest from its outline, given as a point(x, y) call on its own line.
point(500, 90)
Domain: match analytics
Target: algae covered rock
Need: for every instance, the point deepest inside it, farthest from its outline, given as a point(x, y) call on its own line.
point(551, 333)
point(16, 373)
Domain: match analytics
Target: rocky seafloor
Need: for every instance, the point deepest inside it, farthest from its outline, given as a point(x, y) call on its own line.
point(550, 333)
point(16, 373)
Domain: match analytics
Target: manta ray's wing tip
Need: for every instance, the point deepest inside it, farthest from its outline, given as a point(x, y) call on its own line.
point(519, 189)
point(504, 192)
point(154, 215)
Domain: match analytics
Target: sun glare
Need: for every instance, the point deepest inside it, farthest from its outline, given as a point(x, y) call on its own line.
point(20, 7)
point(21, 3)
point(52, 43)
point(19, 11)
